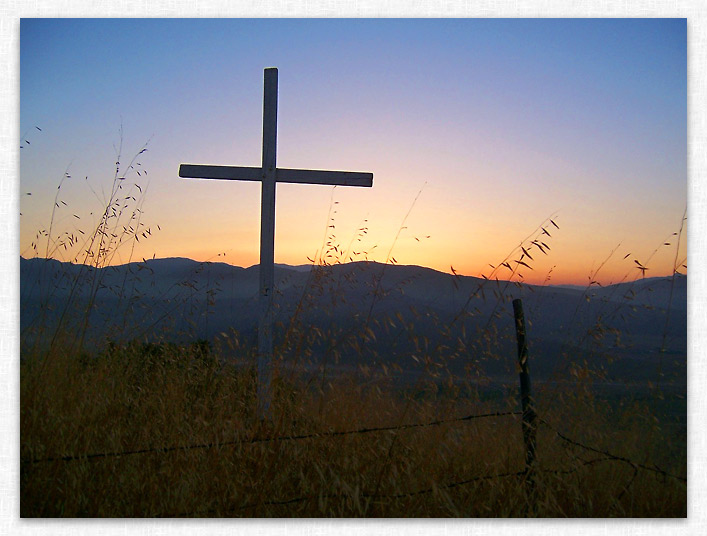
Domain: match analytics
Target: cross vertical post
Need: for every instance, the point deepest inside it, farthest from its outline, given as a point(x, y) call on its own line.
point(269, 174)
point(267, 242)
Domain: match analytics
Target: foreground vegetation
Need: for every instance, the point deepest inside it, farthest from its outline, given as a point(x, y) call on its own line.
point(134, 399)
point(171, 430)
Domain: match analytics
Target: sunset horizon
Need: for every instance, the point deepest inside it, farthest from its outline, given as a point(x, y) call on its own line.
point(632, 273)
point(465, 168)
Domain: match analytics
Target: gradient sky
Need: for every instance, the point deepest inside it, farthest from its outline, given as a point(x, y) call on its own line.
point(480, 129)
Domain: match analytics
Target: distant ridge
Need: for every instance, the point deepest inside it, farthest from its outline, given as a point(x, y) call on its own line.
point(658, 292)
point(187, 263)
point(179, 298)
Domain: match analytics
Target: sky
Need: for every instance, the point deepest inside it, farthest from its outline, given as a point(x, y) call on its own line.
point(477, 132)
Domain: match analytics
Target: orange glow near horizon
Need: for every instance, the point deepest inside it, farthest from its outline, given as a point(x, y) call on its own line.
point(421, 237)
point(496, 126)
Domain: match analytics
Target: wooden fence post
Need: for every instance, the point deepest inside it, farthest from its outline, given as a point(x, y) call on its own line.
point(529, 416)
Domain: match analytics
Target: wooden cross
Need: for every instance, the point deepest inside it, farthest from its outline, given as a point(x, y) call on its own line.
point(269, 174)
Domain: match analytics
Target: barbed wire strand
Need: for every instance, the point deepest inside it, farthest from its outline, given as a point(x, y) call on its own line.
point(424, 491)
point(344, 496)
point(164, 450)
point(633, 464)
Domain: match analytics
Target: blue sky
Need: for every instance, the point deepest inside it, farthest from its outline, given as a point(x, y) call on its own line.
point(498, 123)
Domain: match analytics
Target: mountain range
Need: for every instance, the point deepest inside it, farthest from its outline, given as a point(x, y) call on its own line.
point(365, 314)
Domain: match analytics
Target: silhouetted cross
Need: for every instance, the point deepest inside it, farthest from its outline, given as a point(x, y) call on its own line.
point(269, 174)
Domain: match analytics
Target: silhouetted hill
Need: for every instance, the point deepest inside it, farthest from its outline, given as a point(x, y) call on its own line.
point(364, 312)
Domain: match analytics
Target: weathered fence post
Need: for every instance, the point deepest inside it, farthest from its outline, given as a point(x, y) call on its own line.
point(529, 416)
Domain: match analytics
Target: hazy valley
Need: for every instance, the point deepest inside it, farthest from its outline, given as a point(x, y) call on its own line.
point(636, 331)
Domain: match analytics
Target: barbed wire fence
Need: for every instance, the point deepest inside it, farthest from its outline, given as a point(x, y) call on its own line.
point(527, 472)
point(529, 424)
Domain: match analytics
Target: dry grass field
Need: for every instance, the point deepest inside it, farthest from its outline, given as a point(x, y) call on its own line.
point(164, 429)
point(192, 447)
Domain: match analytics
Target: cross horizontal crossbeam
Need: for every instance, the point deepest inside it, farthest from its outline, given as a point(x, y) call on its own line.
point(287, 175)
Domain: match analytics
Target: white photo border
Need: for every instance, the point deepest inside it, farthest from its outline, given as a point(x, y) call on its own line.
point(10, 14)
